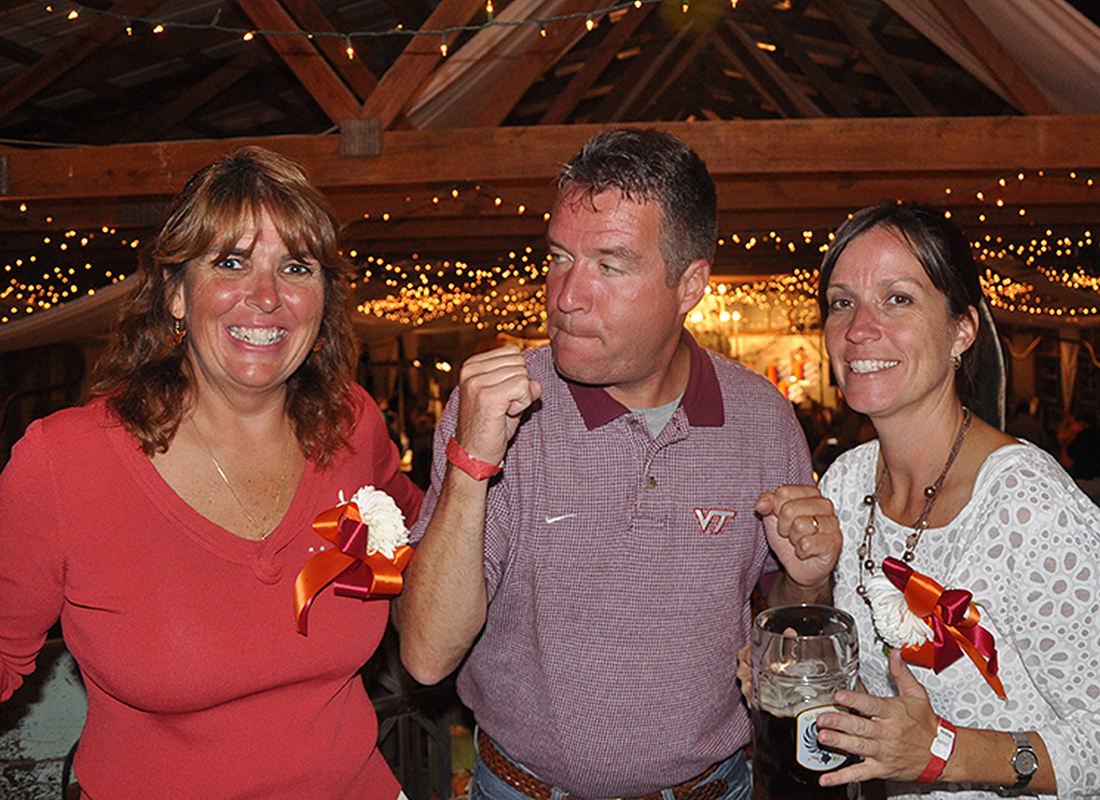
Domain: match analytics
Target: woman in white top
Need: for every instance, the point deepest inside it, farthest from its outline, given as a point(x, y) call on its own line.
point(999, 686)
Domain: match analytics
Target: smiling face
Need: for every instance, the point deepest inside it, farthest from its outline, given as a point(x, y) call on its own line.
point(613, 320)
point(889, 334)
point(252, 316)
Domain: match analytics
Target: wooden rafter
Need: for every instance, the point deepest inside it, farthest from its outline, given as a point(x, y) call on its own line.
point(985, 46)
point(530, 155)
point(414, 66)
point(352, 70)
point(594, 65)
point(541, 53)
point(74, 50)
point(871, 50)
point(634, 88)
point(195, 98)
point(784, 92)
point(665, 82)
point(302, 56)
point(789, 44)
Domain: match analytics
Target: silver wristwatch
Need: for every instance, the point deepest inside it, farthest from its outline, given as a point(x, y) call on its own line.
point(1025, 762)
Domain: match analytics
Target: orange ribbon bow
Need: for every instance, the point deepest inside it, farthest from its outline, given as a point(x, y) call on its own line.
point(357, 573)
point(953, 620)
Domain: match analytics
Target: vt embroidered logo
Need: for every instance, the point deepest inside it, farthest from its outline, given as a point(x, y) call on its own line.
point(713, 519)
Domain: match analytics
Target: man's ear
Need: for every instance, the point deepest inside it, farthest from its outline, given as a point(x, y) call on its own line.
point(693, 284)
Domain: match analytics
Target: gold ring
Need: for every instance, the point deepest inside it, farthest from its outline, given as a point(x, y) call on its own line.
point(813, 519)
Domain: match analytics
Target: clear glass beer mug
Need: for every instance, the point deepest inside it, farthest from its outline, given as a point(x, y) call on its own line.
point(801, 655)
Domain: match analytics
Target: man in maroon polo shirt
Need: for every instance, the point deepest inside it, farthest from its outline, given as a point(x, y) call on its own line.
point(593, 531)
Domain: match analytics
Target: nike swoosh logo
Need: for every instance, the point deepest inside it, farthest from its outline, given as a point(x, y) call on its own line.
point(559, 518)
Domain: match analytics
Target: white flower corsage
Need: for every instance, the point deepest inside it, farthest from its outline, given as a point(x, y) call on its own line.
point(894, 622)
point(385, 521)
point(371, 552)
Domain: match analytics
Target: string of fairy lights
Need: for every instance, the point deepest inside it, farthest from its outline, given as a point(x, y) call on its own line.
point(74, 11)
point(507, 295)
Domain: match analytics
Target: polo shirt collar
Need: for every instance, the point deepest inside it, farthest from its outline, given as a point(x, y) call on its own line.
point(702, 400)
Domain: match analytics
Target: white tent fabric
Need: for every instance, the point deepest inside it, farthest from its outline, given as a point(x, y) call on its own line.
point(1056, 45)
point(87, 317)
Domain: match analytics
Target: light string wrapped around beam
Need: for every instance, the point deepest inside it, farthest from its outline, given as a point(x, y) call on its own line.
point(456, 190)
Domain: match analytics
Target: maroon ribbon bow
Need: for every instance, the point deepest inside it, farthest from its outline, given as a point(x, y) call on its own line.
point(353, 572)
point(953, 619)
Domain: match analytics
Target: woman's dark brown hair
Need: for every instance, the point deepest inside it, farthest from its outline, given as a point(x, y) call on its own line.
point(144, 375)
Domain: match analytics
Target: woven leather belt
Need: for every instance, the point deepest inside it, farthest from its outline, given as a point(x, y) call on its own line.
point(528, 784)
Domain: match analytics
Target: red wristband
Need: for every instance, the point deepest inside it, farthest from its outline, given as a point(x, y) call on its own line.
point(474, 467)
point(942, 748)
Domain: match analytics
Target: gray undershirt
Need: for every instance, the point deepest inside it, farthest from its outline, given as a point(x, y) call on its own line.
point(656, 418)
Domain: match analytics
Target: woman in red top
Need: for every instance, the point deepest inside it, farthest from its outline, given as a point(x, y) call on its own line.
point(166, 521)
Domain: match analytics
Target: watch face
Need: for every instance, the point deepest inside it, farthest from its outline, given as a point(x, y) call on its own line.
point(1025, 762)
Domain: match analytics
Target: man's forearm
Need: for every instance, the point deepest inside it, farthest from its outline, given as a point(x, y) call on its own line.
point(442, 607)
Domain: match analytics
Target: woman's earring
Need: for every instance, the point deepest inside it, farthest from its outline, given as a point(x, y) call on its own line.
point(318, 344)
point(957, 361)
point(178, 332)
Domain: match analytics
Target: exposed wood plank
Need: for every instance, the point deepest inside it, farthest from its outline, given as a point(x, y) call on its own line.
point(790, 100)
point(420, 57)
point(67, 55)
point(777, 30)
point(635, 85)
point(410, 13)
point(594, 66)
point(18, 53)
point(660, 85)
point(526, 156)
point(299, 53)
point(976, 35)
point(914, 100)
point(353, 70)
point(542, 52)
point(195, 97)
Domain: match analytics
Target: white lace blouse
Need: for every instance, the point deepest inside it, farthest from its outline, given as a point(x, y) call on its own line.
point(1027, 546)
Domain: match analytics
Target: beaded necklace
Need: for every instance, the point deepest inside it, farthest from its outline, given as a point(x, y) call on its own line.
point(930, 494)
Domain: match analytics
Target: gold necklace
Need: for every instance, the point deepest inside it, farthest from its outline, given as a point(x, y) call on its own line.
point(930, 494)
point(262, 530)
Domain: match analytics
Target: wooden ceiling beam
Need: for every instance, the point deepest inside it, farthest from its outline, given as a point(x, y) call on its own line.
point(410, 13)
point(635, 86)
point(196, 96)
point(877, 56)
point(542, 52)
point(783, 92)
point(531, 155)
point(594, 65)
point(667, 81)
point(987, 48)
point(316, 75)
point(72, 51)
point(777, 29)
point(353, 70)
point(399, 86)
